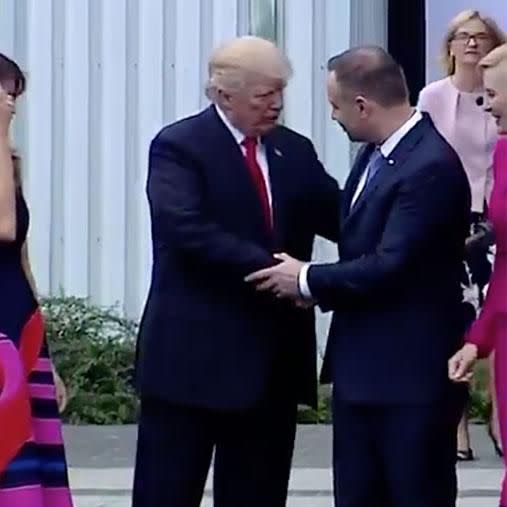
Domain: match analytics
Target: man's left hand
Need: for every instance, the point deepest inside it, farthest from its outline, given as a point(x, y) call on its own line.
point(281, 279)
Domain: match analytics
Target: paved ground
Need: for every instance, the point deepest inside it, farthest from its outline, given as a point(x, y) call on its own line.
point(101, 462)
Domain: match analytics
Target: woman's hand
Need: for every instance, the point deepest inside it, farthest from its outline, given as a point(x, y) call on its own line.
point(7, 110)
point(61, 392)
point(462, 363)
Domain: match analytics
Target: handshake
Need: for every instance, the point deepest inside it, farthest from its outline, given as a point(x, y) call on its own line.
point(281, 280)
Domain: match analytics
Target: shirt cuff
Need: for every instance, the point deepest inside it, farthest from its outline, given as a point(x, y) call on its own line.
point(303, 287)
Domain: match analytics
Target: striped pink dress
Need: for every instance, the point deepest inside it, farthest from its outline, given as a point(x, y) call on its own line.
point(33, 469)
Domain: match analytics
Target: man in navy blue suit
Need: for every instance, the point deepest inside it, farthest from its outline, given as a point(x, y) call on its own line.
point(395, 293)
point(221, 367)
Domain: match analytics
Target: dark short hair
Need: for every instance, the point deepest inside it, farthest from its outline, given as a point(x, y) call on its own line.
point(370, 71)
point(9, 70)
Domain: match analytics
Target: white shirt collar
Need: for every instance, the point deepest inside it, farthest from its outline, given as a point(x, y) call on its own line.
point(388, 146)
point(236, 133)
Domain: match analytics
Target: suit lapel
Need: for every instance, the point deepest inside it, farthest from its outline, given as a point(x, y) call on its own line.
point(353, 180)
point(377, 180)
point(277, 176)
point(392, 165)
point(225, 151)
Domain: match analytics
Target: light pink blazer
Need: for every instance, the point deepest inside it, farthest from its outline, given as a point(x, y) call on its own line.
point(468, 129)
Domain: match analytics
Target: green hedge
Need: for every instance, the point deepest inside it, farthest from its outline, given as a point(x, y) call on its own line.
point(94, 351)
point(479, 407)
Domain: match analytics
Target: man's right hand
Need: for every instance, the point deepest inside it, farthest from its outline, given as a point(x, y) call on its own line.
point(461, 364)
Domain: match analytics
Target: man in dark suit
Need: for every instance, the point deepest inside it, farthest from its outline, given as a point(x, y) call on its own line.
point(221, 368)
point(395, 292)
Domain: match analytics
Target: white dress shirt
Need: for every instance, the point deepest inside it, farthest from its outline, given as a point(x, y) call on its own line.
point(262, 159)
point(386, 148)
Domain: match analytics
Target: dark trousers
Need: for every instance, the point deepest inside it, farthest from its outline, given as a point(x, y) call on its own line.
point(396, 456)
point(252, 454)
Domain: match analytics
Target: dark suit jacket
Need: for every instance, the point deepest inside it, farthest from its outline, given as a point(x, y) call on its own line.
point(207, 338)
point(396, 289)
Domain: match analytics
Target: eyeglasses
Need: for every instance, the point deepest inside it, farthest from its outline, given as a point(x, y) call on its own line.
point(466, 37)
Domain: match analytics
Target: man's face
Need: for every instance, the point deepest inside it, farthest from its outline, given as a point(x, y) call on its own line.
point(351, 113)
point(495, 84)
point(256, 108)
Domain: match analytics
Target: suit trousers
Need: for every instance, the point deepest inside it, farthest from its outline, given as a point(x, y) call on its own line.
point(396, 455)
point(252, 454)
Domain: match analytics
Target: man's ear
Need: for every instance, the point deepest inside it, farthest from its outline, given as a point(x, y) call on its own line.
point(224, 96)
point(361, 104)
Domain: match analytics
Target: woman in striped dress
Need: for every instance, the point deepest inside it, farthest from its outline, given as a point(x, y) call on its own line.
point(33, 470)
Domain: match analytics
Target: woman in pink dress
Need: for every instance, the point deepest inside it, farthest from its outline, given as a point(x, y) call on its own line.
point(489, 331)
point(454, 104)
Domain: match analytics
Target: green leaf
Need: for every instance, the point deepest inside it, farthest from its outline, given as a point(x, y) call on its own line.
point(94, 351)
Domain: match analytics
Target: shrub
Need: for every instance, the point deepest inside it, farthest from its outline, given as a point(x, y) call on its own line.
point(480, 402)
point(479, 406)
point(323, 413)
point(94, 351)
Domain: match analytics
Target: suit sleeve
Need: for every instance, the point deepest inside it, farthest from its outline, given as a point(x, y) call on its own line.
point(325, 196)
point(482, 333)
point(432, 197)
point(181, 217)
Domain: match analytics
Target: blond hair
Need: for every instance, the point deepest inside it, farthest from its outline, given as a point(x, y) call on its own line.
point(231, 64)
point(497, 35)
point(494, 58)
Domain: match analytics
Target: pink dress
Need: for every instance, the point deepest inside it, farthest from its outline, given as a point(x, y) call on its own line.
point(489, 331)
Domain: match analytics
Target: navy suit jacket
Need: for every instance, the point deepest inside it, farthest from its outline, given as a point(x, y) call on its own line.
point(207, 338)
point(396, 289)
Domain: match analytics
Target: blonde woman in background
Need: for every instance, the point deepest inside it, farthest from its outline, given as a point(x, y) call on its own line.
point(456, 106)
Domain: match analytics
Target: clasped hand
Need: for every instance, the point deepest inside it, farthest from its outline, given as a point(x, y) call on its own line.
point(281, 280)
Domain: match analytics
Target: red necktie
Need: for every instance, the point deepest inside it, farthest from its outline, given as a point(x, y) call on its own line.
point(250, 144)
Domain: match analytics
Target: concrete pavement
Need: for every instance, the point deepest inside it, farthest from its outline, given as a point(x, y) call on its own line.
point(101, 466)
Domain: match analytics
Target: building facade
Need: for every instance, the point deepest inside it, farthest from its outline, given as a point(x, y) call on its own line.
point(104, 77)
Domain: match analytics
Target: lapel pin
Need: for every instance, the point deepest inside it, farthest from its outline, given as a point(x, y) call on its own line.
point(278, 152)
point(390, 161)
